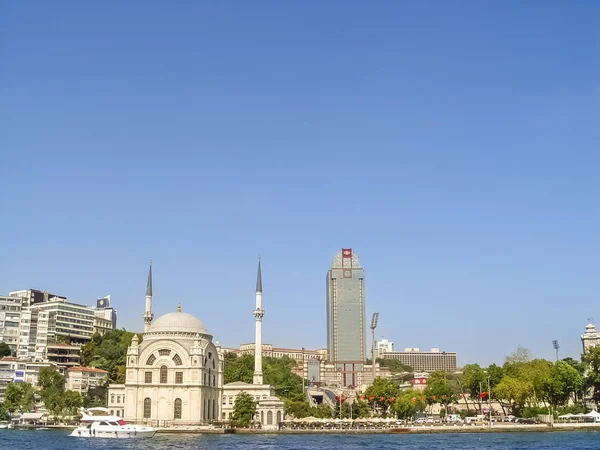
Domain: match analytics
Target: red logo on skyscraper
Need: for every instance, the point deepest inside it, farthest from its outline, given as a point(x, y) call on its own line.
point(347, 252)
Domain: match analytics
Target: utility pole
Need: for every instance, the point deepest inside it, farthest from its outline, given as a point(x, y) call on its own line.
point(374, 321)
point(489, 401)
point(556, 347)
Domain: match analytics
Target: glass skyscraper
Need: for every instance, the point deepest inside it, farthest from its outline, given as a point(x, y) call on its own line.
point(346, 316)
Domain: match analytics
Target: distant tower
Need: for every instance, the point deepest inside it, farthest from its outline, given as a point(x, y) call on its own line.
point(346, 316)
point(590, 338)
point(258, 315)
point(148, 316)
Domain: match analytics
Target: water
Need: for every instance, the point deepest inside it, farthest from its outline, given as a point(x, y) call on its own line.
point(58, 440)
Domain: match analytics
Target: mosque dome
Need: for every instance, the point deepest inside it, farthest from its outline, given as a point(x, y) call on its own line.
point(177, 322)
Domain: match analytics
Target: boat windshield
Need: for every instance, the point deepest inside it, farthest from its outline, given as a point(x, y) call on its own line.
point(121, 422)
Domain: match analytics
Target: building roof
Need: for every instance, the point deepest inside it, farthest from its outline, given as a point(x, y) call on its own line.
point(177, 322)
point(336, 263)
point(86, 369)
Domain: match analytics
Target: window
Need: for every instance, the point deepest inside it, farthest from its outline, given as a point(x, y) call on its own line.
point(214, 380)
point(177, 409)
point(224, 399)
point(148, 377)
point(213, 363)
point(163, 374)
point(147, 408)
point(118, 399)
point(270, 418)
point(151, 360)
point(177, 360)
point(231, 400)
point(278, 416)
point(179, 377)
point(112, 398)
point(164, 352)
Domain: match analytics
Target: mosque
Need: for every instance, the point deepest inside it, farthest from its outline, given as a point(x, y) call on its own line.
point(174, 377)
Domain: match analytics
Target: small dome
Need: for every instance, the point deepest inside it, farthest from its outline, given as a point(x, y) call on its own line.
point(177, 322)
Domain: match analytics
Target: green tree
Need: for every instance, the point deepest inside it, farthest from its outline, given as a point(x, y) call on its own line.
point(72, 402)
point(108, 352)
point(439, 389)
point(591, 362)
point(244, 409)
point(95, 397)
point(408, 403)
point(49, 377)
point(564, 381)
point(394, 365)
point(238, 368)
point(54, 400)
point(4, 413)
point(4, 350)
point(19, 396)
point(579, 367)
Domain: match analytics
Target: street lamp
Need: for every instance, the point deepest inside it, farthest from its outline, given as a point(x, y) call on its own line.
point(556, 347)
point(374, 321)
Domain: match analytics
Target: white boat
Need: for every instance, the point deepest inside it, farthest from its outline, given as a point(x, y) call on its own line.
point(4, 424)
point(99, 423)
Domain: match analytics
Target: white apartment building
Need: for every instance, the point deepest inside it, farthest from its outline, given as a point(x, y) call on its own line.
point(384, 346)
point(81, 379)
point(10, 319)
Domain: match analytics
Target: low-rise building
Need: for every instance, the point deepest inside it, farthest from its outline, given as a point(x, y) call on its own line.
point(102, 325)
point(116, 400)
point(424, 361)
point(384, 346)
point(269, 408)
point(81, 379)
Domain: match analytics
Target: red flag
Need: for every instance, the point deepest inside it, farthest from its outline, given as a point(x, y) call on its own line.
point(362, 396)
point(413, 399)
point(370, 398)
point(380, 399)
point(443, 397)
point(482, 395)
point(392, 399)
point(434, 398)
point(422, 398)
point(347, 252)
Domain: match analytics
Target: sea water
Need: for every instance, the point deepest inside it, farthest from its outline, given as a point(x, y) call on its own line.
point(59, 440)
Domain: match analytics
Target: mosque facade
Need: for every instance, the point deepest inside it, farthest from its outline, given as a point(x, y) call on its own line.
point(174, 376)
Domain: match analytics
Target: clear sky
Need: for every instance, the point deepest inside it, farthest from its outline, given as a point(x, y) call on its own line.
point(453, 145)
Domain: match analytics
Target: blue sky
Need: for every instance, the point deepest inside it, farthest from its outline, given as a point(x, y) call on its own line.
point(453, 145)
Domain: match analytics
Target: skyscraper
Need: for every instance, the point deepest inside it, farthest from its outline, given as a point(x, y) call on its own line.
point(346, 316)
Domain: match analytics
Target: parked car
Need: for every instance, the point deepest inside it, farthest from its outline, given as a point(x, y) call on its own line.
point(525, 421)
point(420, 420)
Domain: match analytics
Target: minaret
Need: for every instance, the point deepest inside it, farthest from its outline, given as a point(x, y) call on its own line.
point(258, 315)
point(148, 316)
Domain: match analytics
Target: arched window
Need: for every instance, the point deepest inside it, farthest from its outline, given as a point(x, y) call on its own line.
point(150, 360)
point(213, 363)
point(163, 374)
point(147, 408)
point(262, 418)
point(278, 416)
point(164, 352)
point(177, 360)
point(214, 380)
point(177, 409)
point(270, 418)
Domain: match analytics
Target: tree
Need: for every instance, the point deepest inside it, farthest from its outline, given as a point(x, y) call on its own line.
point(591, 362)
point(394, 365)
point(4, 413)
point(108, 352)
point(564, 380)
point(19, 396)
point(439, 389)
point(72, 402)
point(4, 350)
point(408, 403)
point(244, 409)
point(54, 400)
point(380, 393)
point(521, 354)
point(95, 397)
point(49, 377)
point(238, 368)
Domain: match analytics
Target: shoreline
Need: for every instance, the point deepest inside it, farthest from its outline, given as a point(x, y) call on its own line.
point(542, 428)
